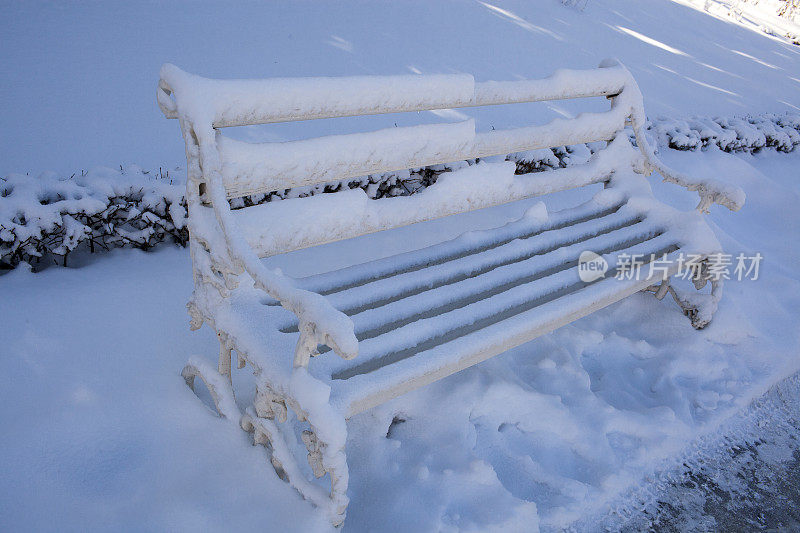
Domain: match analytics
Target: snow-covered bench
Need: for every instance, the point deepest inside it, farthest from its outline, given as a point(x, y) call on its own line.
point(388, 326)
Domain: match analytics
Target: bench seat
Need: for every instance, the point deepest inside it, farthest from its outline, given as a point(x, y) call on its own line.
point(425, 314)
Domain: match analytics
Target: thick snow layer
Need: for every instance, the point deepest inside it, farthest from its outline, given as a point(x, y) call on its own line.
point(31, 205)
point(244, 102)
point(267, 167)
point(742, 477)
point(50, 215)
point(142, 199)
point(102, 433)
point(279, 226)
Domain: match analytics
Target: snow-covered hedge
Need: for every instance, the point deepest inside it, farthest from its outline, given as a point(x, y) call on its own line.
point(750, 134)
point(43, 220)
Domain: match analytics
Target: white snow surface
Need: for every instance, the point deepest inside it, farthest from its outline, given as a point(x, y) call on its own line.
point(101, 432)
point(768, 16)
point(99, 429)
point(245, 102)
point(79, 79)
point(267, 167)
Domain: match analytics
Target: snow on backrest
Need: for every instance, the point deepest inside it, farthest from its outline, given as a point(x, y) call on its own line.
point(250, 168)
point(253, 168)
point(206, 106)
point(228, 103)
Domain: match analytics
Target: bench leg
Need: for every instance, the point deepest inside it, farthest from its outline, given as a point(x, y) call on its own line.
point(275, 422)
point(700, 308)
point(220, 382)
point(281, 424)
point(218, 386)
point(224, 365)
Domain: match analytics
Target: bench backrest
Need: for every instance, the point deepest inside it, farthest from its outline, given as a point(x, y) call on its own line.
point(206, 106)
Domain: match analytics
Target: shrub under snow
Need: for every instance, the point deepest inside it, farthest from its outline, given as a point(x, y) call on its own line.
point(44, 219)
point(750, 134)
point(49, 217)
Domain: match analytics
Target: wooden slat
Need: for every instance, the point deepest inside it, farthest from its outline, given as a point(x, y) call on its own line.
point(522, 251)
point(257, 168)
point(254, 168)
point(469, 244)
point(278, 227)
point(290, 99)
point(364, 391)
point(442, 298)
point(427, 333)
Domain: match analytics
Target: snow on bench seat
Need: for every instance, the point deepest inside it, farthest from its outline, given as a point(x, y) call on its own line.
point(408, 308)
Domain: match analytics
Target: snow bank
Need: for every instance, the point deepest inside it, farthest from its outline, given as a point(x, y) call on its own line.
point(63, 136)
point(773, 17)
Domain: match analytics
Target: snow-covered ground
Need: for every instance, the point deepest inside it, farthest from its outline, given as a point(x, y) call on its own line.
point(769, 16)
point(99, 430)
point(79, 79)
point(746, 477)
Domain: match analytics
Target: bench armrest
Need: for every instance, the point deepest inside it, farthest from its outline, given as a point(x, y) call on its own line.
point(711, 191)
point(318, 321)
